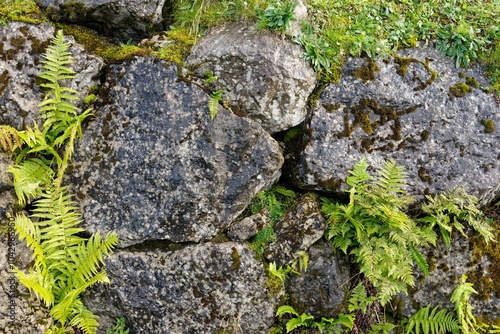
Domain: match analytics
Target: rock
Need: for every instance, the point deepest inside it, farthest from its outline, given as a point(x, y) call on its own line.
point(406, 112)
point(263, 75)
point(321, 289)
point(300, 14)
point(120, 19)
point(207, 288)
point(22, 45)
point(301, 227)
point(464, 257)
point(248, 227)
point(153, 165)
point(5, 178)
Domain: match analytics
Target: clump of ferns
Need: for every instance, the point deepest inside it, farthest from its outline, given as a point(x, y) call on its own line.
point(65, 263)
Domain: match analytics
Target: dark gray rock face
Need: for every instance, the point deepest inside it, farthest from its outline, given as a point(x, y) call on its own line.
point(21, 46)
point(301, 227)
point(407, 113)
point(205, 288)
point(263, 75)
point(321, 289)
point(153, 165)
point(121, 19)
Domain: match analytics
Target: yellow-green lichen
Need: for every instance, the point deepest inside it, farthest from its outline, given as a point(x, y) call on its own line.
point(489, 125)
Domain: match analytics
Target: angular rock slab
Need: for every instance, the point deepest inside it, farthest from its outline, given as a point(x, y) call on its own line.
point(300, 227)
point(21, 46)
point(321, 289)
point(263, 75)
point(205, 288)
point(153, 165)
point(437, 137)
point(122, 19)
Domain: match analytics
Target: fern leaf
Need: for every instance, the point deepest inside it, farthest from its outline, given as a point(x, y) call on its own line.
point(419, 259)
point(359, 174)
point(285, 309)
point(83, 318)
point(31, 233)
point(213, 106)
point(30, 178)
point(432, 322)
point(9, 138)
point(391, 178)
point(36, 282)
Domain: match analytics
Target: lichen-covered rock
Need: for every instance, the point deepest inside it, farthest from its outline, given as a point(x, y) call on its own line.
point(21, 46)
point(207, 288)
point(153, 165)
point(121, 19)
point(20, 311)
point(263, 75)
point(248, 227)
point(404, 109)
point(448, 265)
point(298, 229)
point(321, 289)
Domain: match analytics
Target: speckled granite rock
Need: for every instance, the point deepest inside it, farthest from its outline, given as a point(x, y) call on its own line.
point(21, 45)
point(207, 288)
point(321, 289)
point(263, 75)
point(249, 226)
point(153, 165)
point(121, 19)
point(405, 113)
point(298, 229)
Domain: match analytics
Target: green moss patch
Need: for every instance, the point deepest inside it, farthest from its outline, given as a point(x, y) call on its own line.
point(460, 89)
point(489, 125)
point(367, 71)
point(180, 48)
point(21, 10)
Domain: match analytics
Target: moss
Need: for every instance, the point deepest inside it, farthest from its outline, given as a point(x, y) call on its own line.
point(292, 134)
point(460, 89)
point(424, 176)
point(262, 239)
point(402, 69)
point(425, 135)
point(22, 11)
point(367, 71)
point(4, 81)
point(18, 42)
point(489, 125)
point(472, 82)
point(73, 11)
point(236, 258)
point(180, 49)
point(461, 75)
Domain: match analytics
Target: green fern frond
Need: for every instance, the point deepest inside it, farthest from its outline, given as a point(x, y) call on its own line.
point(31, 176)
point(391, 178)
point(213, 103)
point(359, 174)
point(419, 259)
point(9, 138)
point(83, 318)
point(37, 282)
point(359, 299)
point(429, 321)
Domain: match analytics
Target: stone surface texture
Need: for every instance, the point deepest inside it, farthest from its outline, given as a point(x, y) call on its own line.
point(121, 19)
point(263, 75)
point(321, 289)
point(437, 137)
point(153, 165)
point(296, 231)
point(206, 288)
point(22, 45)
point(248, 227)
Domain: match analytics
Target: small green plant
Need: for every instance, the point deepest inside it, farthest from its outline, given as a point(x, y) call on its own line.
point(460, 43)
point(317, 52)
point(276, 199)
point(432, 321)
point(213, 103)
point(276, 16)
point(336, 325)
point(119, 328)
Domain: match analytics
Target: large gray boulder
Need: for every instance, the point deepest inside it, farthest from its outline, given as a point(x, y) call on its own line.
point(153, 165)
point(206, 288)
point(409, 109)
point(21, 46)
point(121, 19)
point(263, 75)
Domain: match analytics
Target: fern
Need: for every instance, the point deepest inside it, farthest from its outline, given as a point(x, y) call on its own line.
point(30, 178)
point(65, 263)
point(432, 321)
point(213, 103)
point(419, 259)
point(9, 138)
point(391, 177)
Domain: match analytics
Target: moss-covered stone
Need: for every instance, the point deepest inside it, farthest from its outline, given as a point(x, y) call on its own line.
point(402, 69)
point(367, 71)
point(489, 125)
point(177, 52)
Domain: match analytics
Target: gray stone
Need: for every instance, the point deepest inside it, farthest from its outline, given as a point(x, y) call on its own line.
point(263, 75)
point(205, 288)
point(248, 227)
point(121, 19)
point(22, 46)
point(153, 165)
point(321, 289)
point(437, 137)
point(5, 178)
point(301, 227)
